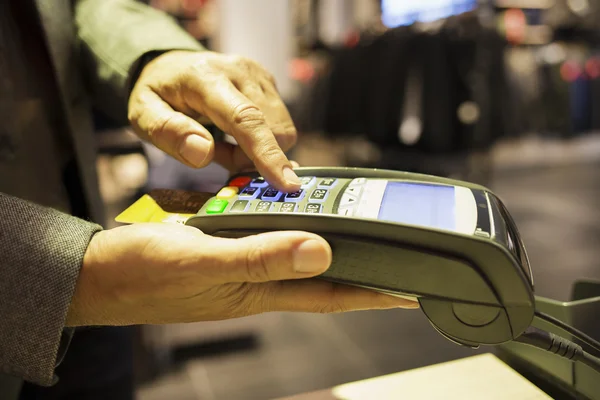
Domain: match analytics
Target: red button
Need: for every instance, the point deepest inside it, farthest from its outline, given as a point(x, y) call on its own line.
point(240, 181)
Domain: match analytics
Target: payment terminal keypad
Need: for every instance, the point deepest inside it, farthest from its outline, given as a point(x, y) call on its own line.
point(259, 182)
point(272, 194)
point(307, 181)
point(249, 193)
point(295, 196)
point(240, 206)
point(317, 195)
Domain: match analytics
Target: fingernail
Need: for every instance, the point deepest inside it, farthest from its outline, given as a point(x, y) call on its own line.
point(194, 149)
point(290, 176)
point(311, 256)
point(410, 306)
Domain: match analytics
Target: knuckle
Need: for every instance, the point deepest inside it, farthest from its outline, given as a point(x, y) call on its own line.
point(248, 114)
point(271, 78)
point(241, 63)
point(247, 62)
point(133, 115)
point(323, 309)
point(269, 154)
point(159, 124)
point(257, 266)
point(333, 303)
point(198, 68)
point(236, 58)
point(289, 136)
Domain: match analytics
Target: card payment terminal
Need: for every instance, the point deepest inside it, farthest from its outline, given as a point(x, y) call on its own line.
point(451, 244)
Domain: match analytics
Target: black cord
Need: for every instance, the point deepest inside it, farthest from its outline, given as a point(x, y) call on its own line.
point(576, 333)
point(590, 361)
point(557, 345)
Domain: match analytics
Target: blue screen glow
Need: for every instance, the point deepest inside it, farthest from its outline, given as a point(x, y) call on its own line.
point(406, 12)
point(419, 204)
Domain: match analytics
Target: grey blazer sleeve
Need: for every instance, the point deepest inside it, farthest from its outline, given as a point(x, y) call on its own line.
point(41, 252)
point(114, 35)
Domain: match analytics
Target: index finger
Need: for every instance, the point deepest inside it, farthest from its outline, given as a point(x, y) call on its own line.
point(320, 296)
point(217, 98)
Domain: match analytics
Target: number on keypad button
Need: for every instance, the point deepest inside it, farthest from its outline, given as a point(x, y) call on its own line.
point(288, 207)
point(295, 196)
point(249, 193)
point(318, 195)
point(263, 206)
point(313, 208)
point(271, 194)
point(327, 182)
point(306, 181)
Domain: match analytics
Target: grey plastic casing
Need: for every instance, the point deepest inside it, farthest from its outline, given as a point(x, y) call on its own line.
point(475, 290)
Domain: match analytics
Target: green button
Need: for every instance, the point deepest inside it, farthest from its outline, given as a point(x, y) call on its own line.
point(216, 206)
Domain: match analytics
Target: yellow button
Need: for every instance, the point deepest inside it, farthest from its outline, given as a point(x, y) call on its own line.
point(227, 192)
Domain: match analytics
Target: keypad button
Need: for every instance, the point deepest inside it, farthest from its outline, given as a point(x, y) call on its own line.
point(354, 190)
point(216, 206)
point(346, 211)
point(295, 196)
point(263, 206)
point(313, 208)
point(259, 182)
point(249, 193)
point(271, 194)
point(240, 181)
point(307, 181)
point(348, 200)
point(327, 183)
point(318, 195)
point(228, 192)
point(358, 182)
point(288, 207)
point(239, 206)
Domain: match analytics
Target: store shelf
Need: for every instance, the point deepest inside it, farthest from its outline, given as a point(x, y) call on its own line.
point(524, 4)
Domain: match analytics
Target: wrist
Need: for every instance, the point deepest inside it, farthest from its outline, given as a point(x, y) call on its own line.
point(142, 62)
point(85, 302)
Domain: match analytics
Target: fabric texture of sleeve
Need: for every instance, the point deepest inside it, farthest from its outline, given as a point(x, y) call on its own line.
point(114, 35)
point(41, 252)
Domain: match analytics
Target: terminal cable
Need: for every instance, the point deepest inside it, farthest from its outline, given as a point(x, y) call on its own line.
point(558, 345)
point(576, 333)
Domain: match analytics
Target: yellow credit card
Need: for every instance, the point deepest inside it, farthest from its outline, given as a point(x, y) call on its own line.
point(165, 206)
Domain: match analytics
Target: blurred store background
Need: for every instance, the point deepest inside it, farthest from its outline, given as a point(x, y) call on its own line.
point(501, 92)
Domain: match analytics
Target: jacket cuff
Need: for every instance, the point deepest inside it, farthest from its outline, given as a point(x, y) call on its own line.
point(41, 255)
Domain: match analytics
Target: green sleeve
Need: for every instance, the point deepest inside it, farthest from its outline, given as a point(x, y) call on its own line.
point(114, 36)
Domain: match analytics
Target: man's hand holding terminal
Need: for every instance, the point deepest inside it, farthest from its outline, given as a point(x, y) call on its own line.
point(158, 274)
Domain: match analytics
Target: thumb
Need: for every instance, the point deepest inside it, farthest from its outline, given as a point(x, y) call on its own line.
point(271, 256)
point(173, 132)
